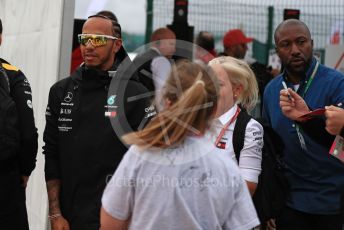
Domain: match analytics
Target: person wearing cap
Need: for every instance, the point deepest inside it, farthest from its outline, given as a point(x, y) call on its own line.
point(235, 45)
point(154, 66)
point(82, 149)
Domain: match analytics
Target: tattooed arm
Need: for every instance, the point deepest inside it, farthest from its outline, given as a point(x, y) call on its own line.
point(57, 221)
point(52, 161)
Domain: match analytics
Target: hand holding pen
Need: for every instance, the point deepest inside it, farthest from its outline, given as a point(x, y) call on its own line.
point(292, 105)
point(286, 88)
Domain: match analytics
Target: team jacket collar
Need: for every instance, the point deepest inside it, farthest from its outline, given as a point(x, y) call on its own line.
point(224, 118)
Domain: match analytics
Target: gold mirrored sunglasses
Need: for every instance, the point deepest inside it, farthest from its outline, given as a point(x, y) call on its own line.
point(95, 39)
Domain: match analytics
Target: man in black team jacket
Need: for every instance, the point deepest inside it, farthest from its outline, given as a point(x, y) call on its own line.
point(82, 150)
point(154, 66)
point(18, 144)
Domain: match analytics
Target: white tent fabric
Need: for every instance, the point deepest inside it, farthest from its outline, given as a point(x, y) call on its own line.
point(37, 38)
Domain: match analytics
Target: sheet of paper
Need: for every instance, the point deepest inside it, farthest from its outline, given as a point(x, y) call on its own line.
point(312, 114)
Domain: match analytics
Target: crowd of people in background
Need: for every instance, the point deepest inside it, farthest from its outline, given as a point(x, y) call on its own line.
point(149, 143)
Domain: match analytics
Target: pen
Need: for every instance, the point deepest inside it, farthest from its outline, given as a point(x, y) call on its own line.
point(286, 88)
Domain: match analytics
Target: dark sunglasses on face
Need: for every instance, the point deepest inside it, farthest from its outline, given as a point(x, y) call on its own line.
point(95, 39)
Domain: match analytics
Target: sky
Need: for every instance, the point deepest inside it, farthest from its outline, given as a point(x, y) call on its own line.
point(206, 15)
point(131, 14)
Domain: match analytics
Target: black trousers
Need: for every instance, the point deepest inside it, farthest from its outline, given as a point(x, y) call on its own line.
point(13, 214)
point(292, 219)
point(16, 220)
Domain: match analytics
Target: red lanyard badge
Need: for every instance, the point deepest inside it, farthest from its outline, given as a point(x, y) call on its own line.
point(218, 142)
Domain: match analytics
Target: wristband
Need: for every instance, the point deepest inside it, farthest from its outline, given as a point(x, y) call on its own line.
point(54, 216)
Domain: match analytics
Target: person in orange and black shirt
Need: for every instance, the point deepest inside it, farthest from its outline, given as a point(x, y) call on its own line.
point(17, 163)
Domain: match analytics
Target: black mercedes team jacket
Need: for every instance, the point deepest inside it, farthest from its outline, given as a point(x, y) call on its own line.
point(82, 147)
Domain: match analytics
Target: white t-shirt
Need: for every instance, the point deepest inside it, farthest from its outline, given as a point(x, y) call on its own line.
point(193, 186)
point(251, 154)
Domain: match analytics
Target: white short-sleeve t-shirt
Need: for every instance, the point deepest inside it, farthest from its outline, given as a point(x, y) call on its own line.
point(192, 186)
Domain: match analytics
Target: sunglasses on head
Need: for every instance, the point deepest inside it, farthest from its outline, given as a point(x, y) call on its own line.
point(95, 39)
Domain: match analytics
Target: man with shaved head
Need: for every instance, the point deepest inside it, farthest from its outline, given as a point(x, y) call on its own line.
point(297, 62)
point(153, 66)
point(205, 47)
point(316, 178)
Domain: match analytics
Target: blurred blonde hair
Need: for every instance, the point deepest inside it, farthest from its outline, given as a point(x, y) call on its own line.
point(240, 73)
point(192, 92)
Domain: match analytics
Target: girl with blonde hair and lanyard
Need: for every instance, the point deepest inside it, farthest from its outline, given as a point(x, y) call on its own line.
point(238, 91)
point(173, 177)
